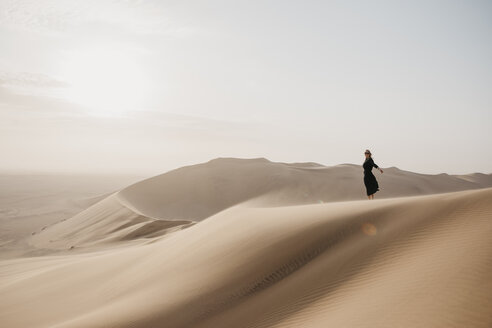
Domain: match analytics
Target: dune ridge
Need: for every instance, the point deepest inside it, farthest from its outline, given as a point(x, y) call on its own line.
point(103, 224)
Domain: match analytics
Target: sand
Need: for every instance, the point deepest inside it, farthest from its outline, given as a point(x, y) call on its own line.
point(30, 203)
point(251, 243)
point(198, 191)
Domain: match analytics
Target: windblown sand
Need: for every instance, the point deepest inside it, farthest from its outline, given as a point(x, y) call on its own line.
point(252, 243)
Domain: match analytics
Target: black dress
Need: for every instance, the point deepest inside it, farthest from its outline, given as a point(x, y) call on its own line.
point(369, 178)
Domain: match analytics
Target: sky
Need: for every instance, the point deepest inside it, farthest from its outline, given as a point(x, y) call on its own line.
point(144, 87)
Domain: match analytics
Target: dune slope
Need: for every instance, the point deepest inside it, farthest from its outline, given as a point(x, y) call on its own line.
point(31, 203)
point(105, 223)
point(421, 261)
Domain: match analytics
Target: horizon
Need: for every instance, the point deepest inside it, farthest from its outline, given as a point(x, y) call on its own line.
point(153, 174)
point(138, 88)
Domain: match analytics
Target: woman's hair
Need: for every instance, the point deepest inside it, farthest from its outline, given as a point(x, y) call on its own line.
point(368, 151)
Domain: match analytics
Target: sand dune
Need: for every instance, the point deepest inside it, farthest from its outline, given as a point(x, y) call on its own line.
point(106, 222)
point(177, 199)
point(31, 203)
point(247, 243)
point(420, 261)
point(197, 191)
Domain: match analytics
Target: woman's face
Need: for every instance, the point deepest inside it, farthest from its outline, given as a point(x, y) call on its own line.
point(367, 155)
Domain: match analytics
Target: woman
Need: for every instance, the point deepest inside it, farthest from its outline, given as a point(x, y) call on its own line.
point(369, 178)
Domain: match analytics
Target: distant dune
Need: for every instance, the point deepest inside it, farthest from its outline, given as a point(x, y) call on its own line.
point(198, 191)
point(253, 243)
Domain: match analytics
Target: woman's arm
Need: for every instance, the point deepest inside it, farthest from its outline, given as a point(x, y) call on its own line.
point(375, 165)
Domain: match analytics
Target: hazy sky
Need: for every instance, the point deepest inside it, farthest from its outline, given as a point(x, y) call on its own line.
point(148, 86)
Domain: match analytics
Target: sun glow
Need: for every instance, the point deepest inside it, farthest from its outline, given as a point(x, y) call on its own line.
point(106, 81)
